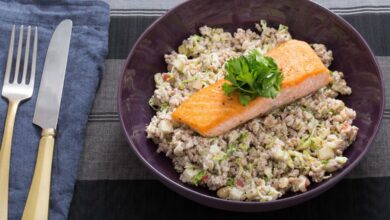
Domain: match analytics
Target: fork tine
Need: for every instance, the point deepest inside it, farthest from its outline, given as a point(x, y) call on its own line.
point(34, 58)
point(18, 55)
point(10, 56)
point(26, 55)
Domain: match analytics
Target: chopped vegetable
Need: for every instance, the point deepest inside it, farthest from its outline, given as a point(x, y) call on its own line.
point(189, 173)
point(268, 173)
point(156, 107)
point(165, 126)
point(230, 182)
point(243, 146)
point(240, 183)
point(236, 194)
point(325, 153)
point(231, 149)
point(309, 141)
point(181, 86)
point(196, 37)
point(164, 107)
point(152, 105)
point(279, 154)
point(198, 177)
point(217, 153)
point(158, 78)
point(179, 62)
point(166, 77)
point(214, 149)
point(282, 28)
point(252, 75)
point(243, 137)
point(341, 160)
point(240, 167)
point(223, 192)
point(197, 84)
point(183, 49)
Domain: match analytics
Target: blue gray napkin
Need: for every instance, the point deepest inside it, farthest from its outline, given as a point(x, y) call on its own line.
point(86, 57)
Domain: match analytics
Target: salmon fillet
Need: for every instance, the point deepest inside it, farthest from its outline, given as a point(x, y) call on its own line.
point(210, 112)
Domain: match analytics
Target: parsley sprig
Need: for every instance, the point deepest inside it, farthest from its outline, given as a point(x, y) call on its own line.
point(252, 75)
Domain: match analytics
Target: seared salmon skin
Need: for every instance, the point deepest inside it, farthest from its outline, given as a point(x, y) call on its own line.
point(211, 112)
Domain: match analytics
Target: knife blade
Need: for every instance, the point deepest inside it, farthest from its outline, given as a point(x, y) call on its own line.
point(46, 116)
point(50, 90)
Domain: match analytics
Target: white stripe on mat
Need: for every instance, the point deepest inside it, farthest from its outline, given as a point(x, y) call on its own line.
point(361, 11)
point(124, 14)
point(156, 13)
point(167, 4)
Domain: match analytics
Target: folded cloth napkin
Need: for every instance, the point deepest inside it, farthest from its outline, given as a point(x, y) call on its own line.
point(86, 57)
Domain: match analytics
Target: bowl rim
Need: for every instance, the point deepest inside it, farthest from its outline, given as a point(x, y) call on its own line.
point(299, 197)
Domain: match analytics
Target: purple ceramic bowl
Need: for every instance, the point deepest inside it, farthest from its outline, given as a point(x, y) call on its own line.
point(306, 21)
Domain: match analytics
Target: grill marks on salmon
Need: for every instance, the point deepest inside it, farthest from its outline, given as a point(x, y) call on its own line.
point(210, 112)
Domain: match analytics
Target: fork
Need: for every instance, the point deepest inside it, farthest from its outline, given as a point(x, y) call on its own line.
point(15, 92)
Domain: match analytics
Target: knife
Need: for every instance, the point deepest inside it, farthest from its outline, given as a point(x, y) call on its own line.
point(46, 116)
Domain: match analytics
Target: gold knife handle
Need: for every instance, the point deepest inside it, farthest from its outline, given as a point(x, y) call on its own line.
point(37, 205)
point(5, 157)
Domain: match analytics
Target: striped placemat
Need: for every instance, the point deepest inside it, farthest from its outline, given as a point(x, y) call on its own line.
point(116, 185)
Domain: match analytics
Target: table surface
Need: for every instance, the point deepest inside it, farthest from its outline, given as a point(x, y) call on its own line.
point(113, 184)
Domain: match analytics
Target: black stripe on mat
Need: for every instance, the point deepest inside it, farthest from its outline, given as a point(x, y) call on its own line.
point(124, 31)
point(103, 117)
point(375, 28)
point(148, 199)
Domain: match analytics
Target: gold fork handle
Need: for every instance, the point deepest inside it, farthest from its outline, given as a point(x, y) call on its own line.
point(5, 157)
point(37, 205)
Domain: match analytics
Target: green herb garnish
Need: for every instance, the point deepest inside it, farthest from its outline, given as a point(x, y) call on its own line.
point(251, 76)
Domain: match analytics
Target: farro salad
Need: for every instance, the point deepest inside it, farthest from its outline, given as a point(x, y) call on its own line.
point(268, 156)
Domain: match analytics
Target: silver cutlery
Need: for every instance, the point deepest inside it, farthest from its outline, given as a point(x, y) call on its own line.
point(46, 116)
point(15, 92)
